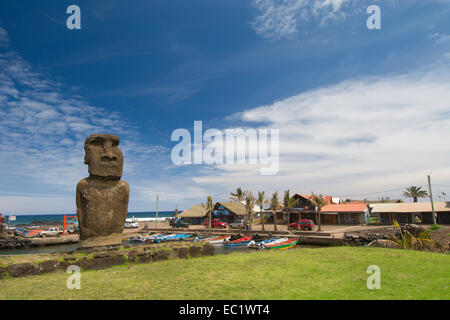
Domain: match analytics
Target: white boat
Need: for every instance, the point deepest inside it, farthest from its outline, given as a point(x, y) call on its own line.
point(280, 240)
point(218, 239)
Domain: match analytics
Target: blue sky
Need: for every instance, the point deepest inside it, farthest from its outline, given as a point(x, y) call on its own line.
point(359, 111)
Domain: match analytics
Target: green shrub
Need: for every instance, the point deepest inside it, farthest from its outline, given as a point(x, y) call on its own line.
point(435, 227)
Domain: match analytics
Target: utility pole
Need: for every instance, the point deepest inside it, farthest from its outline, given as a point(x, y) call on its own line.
point(431, 199)
point(156, 221)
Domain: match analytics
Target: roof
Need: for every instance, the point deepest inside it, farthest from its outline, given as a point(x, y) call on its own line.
point(196, 211)
point(345, 207)
point(409, 207)
point(235, 207)
point(328, 199)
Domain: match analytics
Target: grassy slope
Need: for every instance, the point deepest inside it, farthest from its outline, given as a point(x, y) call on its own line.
point(328, 273)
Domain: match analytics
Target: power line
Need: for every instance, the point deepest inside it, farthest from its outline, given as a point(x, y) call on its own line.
point(370, 193)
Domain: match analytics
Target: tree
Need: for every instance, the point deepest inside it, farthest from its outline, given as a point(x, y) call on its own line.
point(261, 201)
point(274, 206)
point(415, 192)
point(249, 204)
point(289, 203)
point(239, 195)
point(209, 206)
point(383, 200)
point(319, 202)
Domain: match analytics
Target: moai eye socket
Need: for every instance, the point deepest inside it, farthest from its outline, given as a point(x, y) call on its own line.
point(96, 142)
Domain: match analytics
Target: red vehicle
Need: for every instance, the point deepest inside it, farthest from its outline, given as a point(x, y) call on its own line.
point(302, 225)
point(215, 223)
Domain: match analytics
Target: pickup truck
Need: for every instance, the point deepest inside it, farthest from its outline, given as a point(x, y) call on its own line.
point(216, 223)
point(51, 232)
point(180, 224)
point(129, 224)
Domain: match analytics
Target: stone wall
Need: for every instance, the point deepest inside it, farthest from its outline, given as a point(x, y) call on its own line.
point(97, 259)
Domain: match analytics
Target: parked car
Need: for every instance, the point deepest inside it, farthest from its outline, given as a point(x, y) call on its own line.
point(51, 232)
point(302, 225)
point(180, 224)
point(215, 223)
point(239, 224)
point(129, 224)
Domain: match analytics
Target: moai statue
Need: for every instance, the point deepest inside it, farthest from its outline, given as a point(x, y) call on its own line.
point(102, 198)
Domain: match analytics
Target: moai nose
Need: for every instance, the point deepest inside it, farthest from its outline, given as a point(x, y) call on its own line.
point(108, 154)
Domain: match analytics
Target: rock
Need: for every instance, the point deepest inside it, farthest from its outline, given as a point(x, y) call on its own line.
point(103, 191)
point(102, 255)
point(2, 272)
point(23, 269)
point(183, 253)
point(68, 257)
point(163, 254)
point(48, 266)
point(208, 250)
point(195, 252)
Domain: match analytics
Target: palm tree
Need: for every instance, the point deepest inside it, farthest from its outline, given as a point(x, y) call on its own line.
point(209, 206)
point(261, 201)
point(415, 193)
point(289, 203)
point(319, 202)
point(274, 206)
point(383, 200)
point(239, 195)
point(249, 204)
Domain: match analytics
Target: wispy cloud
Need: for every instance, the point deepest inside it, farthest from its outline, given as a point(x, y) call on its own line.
point(278, 19)
point(42, 131)
point(282, 18)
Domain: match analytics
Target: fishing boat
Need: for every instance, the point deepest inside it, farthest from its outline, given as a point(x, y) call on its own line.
point(218, 240)
point(238, 242)
point(282, 245)
point(164, 238)
point(255, 244)
point(179, 237)
point(272, 242)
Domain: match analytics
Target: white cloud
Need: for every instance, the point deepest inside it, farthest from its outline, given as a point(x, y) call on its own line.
point(281, 18)
point(358, 136)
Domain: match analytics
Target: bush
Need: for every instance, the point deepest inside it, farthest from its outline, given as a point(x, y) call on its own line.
point(435, 227)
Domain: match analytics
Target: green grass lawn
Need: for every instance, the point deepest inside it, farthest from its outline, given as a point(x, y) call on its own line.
point(326, 273)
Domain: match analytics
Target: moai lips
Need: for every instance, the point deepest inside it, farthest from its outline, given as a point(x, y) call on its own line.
point(102, 198)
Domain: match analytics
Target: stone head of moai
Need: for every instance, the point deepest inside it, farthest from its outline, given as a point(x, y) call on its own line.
point(103, 156)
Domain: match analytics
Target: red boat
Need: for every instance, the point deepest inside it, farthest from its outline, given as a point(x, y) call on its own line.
point(238, 242)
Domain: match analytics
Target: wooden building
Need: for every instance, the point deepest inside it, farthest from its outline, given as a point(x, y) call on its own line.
point(346, 213)
point(230, 211)
point(407, 212)
point(194, 215)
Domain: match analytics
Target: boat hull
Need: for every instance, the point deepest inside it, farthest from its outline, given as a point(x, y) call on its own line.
point(283, 245)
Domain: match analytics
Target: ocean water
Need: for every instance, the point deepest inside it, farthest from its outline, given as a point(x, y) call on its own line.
point(27, 219)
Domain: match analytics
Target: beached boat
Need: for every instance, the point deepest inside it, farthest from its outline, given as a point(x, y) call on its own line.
point(180, 237)
point(281, 245)
point(238, 242)
point(165, 238)
point(218, 240)
point(255, 244)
